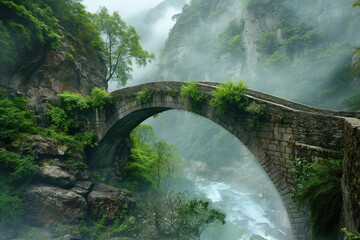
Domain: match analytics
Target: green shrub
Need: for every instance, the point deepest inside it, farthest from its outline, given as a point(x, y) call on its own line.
point(320, 190)
point(59, 119)
point(20, 167)
point(229, 98)
point(350, 235)
point(11, 207)
point(254, 111)
point(72, 102)
point(197, 97)
point(99, 98)
point(145, 95)
point(15, 119)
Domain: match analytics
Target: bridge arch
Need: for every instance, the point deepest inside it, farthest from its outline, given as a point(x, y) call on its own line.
point(288, 130)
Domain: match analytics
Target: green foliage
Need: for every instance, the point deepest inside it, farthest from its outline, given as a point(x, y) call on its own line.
point(15, 120)
point(21, 167)
point(193, 216)
point(229, 98)
point(99, 98)
point(145, 95)
point(197, 97)
point(11, 207)
point(318, 186)
point(149, 160)
point(72, 102)
point(99, 226)
point(188, 217)
point(350, 235)
point(59, 119)
point(298, 35)
point(254, 111)
point(122, 46)
point(29, 25)
point(229, 45)
point(267, 43)
point(356, 4)
point(351, 102)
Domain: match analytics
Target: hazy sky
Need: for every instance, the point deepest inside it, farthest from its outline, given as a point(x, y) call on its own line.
point(126, 8)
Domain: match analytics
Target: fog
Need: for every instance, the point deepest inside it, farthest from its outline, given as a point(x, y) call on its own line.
point(299, 50)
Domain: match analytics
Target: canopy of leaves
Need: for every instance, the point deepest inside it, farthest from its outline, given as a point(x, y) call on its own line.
point(122, 46)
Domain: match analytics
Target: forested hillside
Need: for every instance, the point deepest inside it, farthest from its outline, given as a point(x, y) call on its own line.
point(300, 50)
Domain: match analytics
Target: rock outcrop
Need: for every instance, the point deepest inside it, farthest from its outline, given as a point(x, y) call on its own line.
point(63, 192)
point(47, 205)
point(108, 200)
point(40, 78)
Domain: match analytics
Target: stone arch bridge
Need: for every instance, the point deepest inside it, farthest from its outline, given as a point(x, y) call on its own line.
point(288, 130)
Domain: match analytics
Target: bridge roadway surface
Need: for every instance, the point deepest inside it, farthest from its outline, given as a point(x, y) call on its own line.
point(288, 131)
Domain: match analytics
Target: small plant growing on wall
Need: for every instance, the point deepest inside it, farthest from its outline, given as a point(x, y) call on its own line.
point(145, 95)
point(194, 94)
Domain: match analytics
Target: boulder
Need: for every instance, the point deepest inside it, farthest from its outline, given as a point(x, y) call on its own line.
point(41, 147)
point(105, 199)
point(55, 175)
point(45, 205)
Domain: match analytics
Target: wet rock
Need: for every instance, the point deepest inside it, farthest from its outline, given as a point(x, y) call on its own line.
point(105, 199)
point(45, 205)
point(55, 175)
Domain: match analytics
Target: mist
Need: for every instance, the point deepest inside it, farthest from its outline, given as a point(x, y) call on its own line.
point(298, 50)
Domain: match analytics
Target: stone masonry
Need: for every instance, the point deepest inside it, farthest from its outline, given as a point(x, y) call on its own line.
point(288, 130)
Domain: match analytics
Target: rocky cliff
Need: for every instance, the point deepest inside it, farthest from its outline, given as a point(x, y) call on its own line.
point(46, 73)
point(298, 50)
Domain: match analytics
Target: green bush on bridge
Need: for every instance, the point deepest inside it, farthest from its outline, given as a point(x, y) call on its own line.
point(192, 91)
point(145, 95)
point(229, 98)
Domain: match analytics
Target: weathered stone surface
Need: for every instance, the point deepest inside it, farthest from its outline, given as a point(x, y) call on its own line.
point(57, 176)
point(46, 205)
point(105, 199)
point(42, 147)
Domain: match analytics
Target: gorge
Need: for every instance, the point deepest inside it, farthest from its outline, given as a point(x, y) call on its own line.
point(64, 169)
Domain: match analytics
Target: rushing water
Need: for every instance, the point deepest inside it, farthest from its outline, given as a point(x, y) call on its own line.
point(246, 214)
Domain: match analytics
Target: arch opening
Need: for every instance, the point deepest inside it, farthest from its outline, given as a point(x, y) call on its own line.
point(114, 126)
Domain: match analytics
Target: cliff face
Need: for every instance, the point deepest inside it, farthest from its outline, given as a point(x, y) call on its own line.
point(45, 74)
point(294, 49)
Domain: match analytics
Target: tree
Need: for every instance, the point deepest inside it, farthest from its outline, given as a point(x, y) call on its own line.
point(122, 46)
point(356, 4)
point(164, 156)
point(187, 217)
